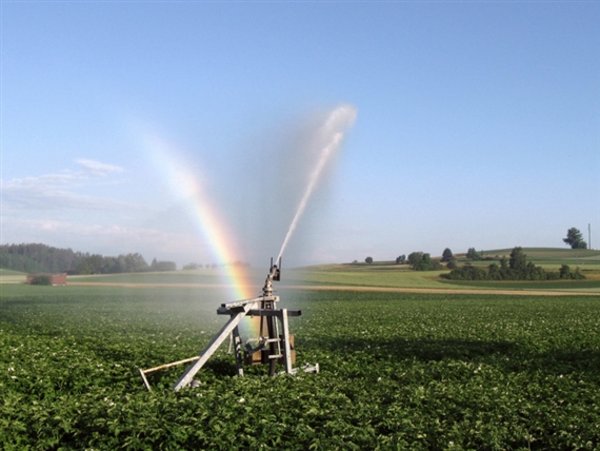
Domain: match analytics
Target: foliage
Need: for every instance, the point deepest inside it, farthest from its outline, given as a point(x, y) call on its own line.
point(40, 279)
point(420, 261)
point(37, 257)
point(575, 239)
point(163, 266)
point(369, 260)
point(517, 268)
point(397, 372)
point(447, 255)
point(401, 259)
point(472, 254)
point(43, 258)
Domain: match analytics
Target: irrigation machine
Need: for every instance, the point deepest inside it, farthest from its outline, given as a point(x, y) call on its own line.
point(273, 347)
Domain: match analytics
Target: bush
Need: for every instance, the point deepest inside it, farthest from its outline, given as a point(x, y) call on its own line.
point(39, 279)
point(452, 264)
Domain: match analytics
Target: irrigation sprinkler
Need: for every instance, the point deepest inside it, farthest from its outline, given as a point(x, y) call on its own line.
point(274, 346)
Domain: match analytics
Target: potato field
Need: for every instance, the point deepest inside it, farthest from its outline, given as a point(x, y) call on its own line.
point(398, 371)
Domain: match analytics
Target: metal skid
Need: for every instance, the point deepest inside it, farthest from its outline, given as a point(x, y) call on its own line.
point(274, 345)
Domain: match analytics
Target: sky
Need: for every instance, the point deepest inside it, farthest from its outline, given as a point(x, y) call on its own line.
point(189, 131)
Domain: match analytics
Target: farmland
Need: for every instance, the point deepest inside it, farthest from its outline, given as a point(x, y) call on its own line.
point(398, 370)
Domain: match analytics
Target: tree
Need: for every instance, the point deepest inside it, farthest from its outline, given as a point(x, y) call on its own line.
point(414, 258)
point(518, 260)
point(369, 260)
point(162, 265)
point(447, 255)
point(575, 239)
point(401, 259)
point(472, 254)
point(422, 262)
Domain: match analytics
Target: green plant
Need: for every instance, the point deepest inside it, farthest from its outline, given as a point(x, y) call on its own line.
point(408, 371)
point(39, 279)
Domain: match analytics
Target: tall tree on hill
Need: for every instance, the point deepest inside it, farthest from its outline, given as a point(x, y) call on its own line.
point(575, 239)
point(518, 260)
point(447, 255)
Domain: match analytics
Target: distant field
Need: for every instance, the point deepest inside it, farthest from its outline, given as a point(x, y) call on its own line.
point(550, 253)
point(172, 277)
point(385, 275)
point(10, 276)
point(554, 257)
point(367, 275)
point(399, 276)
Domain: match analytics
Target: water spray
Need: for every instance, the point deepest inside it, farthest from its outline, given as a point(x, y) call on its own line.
point(332, 134)
point(274, 345)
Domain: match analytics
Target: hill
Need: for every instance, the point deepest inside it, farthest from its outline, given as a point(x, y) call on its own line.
point(549, 256)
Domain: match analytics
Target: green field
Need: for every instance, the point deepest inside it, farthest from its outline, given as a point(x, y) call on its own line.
point(401, 277)
point(390, 275)
point(398, 371)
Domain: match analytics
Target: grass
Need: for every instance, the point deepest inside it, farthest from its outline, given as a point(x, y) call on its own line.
point(552, 258)
point(371, 275)
point(399, 276)
point(398, 371)
point(550, 253)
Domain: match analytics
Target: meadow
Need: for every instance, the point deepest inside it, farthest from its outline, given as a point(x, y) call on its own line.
point(398, 371)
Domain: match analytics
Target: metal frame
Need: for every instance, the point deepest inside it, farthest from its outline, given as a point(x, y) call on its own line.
point(274, 345)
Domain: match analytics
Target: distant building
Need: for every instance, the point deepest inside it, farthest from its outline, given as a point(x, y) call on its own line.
point(47, 279)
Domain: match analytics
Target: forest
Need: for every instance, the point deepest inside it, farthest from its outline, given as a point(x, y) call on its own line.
point(37, 257)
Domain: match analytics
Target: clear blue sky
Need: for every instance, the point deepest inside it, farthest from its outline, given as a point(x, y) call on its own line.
point(478, 124)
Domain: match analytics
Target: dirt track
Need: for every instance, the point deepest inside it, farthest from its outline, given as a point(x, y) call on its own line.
point(352, 288)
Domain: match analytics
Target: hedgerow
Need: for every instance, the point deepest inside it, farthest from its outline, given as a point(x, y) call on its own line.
point(517, 268)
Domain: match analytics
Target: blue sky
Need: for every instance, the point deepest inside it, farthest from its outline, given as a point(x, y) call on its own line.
point(478, 124)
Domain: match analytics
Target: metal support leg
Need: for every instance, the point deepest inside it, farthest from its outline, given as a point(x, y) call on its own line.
point(239, 353)
point(187, 377)
point(272, 346)
point(287, 351)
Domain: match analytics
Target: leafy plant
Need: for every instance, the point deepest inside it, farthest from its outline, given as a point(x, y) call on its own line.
point(400, 371)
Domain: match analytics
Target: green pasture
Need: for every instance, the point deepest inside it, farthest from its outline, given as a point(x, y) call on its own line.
point(398, 371)
point(368, 275)
point(400, 276)
point(549, 253)
point(552, 258)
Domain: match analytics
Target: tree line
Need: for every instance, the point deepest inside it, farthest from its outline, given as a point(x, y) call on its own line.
point(37, 257)
point(421, 261)
point(515, 268)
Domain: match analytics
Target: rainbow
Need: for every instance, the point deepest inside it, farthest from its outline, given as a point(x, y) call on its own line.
point(184, 183)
